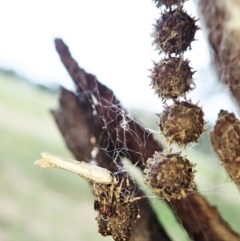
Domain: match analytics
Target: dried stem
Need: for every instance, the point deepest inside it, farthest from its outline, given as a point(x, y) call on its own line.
point(72, 124)
point(79, 125)
point(87, 171)
point(199, 221)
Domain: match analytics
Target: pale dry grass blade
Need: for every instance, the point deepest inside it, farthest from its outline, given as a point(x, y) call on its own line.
point(86, 170)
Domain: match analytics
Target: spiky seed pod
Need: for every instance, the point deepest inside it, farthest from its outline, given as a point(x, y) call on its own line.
point(117, 209)
point(170, 175)
point(182, 123)
point(174, 31)
point(168, 3)
point(172, 77)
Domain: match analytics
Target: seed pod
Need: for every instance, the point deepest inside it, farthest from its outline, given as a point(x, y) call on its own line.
point(225, 139)
point(174, 31)
point(182, 123)
point(168, 3)
point(117, 209)
point(172, 77)
point(170, 175)
point(119, 224)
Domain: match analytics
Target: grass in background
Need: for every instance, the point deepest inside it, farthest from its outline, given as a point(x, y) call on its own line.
point(37, 204)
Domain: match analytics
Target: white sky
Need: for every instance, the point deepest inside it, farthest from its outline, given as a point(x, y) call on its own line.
point(108, 38)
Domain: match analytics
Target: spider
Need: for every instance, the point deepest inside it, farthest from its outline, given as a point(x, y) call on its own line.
point(117, 207)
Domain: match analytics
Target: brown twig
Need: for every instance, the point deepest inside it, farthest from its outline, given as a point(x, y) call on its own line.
point(74, 122)
point(79, 127)
point(201, 221)
point(112, 113)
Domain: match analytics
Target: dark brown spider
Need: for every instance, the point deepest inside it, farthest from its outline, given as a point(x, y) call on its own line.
point(118, 209)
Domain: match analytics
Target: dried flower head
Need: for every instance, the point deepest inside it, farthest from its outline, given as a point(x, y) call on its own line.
point(172, 77)
point(182, 123)
point(168, 3)
point(170, 175)
point(225, 138)
point(174, 31)
point(118, 209)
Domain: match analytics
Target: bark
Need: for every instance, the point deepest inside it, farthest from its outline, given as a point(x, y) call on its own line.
point(82, 129)
point(79, 124)
point(76, 123)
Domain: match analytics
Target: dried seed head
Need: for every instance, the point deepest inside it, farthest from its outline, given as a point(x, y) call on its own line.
point(119, 224)
point(117, 209)
point(122, 222)
point(168, 3)
point(182, 123)
point(225, 139)
point(172, 77)
point(174, 31)
point(170, 175)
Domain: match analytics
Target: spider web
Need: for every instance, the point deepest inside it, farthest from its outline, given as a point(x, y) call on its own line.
point(120, 144)
point(211, 179)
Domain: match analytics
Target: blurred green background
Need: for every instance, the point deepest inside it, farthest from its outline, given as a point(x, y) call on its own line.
point(50, 204)
point(37, 204)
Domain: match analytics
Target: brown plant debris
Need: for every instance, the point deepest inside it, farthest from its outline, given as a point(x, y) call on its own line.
point(78, 124)
point(75, 115)
point(226, 142)
point(174, 31)
point(170, 175)
point(168, 3)
point(172, 77)
point(182, 123)
point(118, 209)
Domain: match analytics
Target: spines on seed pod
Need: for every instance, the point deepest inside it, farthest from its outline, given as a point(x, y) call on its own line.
point(168, 3)
point(174, 31)
point(170, 175)
point(182, 123)
point(172, 77)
